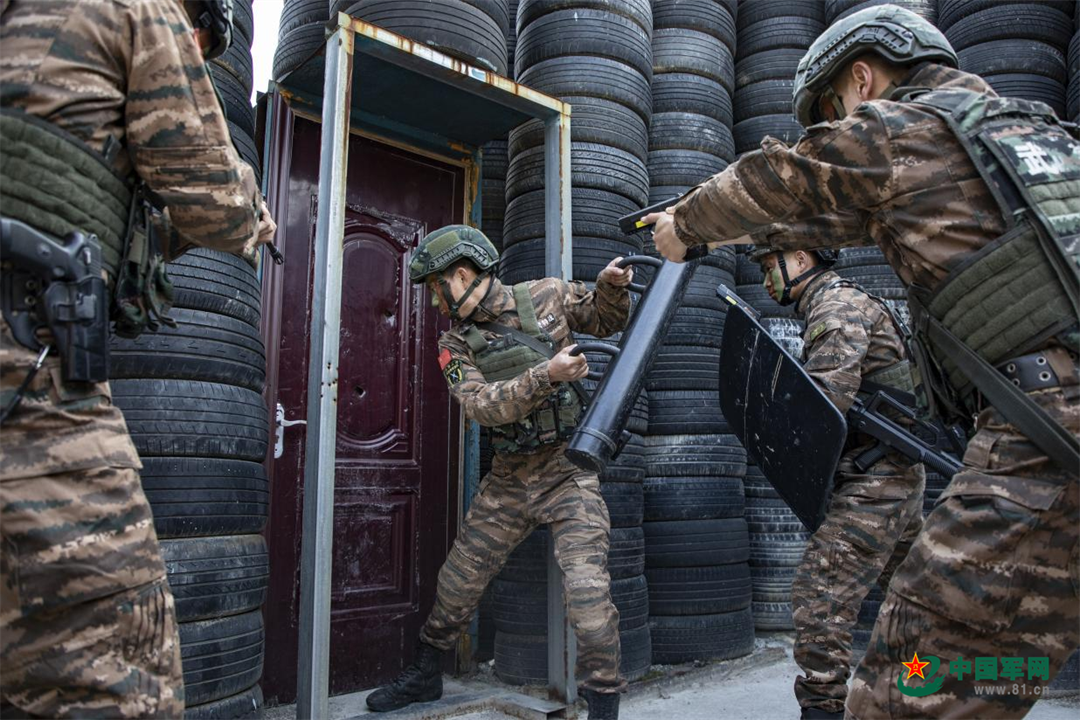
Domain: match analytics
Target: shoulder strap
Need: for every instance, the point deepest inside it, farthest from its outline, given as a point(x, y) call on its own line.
point(474, 339)
point(526, 310)
point(1019, 409)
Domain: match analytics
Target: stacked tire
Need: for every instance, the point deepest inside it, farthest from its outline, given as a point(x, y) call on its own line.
point(473, 31)
point(1020, 48)
point(232, 75)
point(837, 9)
point(693, 77)
point(595, 55)
point(301, 31)
point(772, 38)
point(192, 399)
point(1073, 93)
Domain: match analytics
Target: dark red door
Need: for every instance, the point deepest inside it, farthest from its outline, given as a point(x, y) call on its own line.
point(395, 501)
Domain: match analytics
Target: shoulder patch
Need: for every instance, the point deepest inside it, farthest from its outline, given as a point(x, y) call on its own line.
point(453, 372)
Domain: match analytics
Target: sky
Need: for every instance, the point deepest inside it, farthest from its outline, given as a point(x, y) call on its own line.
point(267, 15)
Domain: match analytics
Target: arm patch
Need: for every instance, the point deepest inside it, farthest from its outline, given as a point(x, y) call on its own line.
point(452, 371)
point(823, 327)
point(444, 359)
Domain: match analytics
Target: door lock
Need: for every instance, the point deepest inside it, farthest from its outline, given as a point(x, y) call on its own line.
point(279, 431)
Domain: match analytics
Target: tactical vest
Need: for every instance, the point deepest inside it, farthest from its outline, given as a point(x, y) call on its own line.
point(1020, 289)
point(52, 181)
point(505, 358)
point(56, 183)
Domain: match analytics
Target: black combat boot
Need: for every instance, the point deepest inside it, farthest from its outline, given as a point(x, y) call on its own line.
point(602, 706)
point(420, 682)
point(816, 713)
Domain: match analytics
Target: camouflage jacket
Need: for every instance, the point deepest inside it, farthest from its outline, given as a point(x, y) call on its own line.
point(890, 173)
point(131, 70)
point(848, 336)
point(562, 308)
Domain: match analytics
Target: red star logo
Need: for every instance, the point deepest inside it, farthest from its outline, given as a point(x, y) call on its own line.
point(915, 667)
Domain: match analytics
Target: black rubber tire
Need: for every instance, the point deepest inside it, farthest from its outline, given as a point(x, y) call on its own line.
point(1031, 87)
point(194, 497)
point(241, 705)
point(217, 282)
point(752, 12)
point(778, 549)
point(748, 272)
point(584, 76)
point(692, 498)
point(203, 346)
point(626, 554)
point(694, 456)
point(688, 51)
point(237, 100)
point(599, 167)
point(453, 27)
point(595, 120)
point(1027, 21)
point(767, 97)
point(696, 543)
point(688, 131)
point(703, 327)
point(594, 33)
point(186, 418)
point(952, 11)
point(1015, 56)
point(631, 598)
point(247, 149)
point(699, 590)
point(299, 13)
point(675, 92)
point(519, 608)
point(772, 584)
point(789, 31)
point(625, 503)
point(485, 628)
point(528, 561)
point(243, 23)
point(772, 616)
point(237, 62)
point(684, 367)
point(595, 214)
point(707, 16)
point(1072, 94)
point(628, 467)
point(525, 260)
point(788, 333)
point(759, 299)
point(635, 653)
point(684, 168)
point(836, 9)
point(216, 576)
point(777, 64)
point(685, 412)
point(688, 638)
point(521, 659)
point(748, 134)
point(296, 47)
point(640, 11)
point(221, 657)
point(763, 519)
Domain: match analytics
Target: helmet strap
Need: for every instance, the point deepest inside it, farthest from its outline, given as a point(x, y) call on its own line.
point(791, 283)
point(453, 306)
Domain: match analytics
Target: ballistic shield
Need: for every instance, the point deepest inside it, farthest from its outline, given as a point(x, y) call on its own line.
point(786, 423)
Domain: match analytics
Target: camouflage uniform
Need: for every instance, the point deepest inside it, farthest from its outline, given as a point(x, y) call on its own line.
point(87, 620)
point(893, 173)
point(524, 490)
point(873, 517)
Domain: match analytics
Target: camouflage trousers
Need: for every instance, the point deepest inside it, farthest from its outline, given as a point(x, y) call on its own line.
point(87, 620)
point(993, 575)
point(520, 493)
point(872, 520)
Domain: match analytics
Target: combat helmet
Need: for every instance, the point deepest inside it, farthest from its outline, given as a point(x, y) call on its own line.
point(894, 33)
point(217, 17)
point(826, 259)
point(442, 248)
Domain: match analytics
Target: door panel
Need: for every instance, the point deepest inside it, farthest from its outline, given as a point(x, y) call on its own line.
point(395, 499)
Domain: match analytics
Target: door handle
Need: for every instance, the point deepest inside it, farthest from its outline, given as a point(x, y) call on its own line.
point(279, 431)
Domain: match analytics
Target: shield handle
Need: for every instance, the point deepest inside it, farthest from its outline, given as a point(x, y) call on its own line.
point(595, 347)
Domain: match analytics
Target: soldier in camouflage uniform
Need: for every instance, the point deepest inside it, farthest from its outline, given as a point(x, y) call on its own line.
point(95, 95)
point(507, 361)
point(973, 199)
point(852, 346)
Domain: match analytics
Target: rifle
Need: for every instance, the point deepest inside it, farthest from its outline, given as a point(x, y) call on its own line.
point(929, 443)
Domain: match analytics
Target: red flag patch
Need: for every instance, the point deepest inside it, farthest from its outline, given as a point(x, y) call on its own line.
point(444, 359)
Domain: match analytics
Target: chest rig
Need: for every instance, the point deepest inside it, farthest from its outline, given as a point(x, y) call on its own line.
point(1021, 289)
point(509, 355)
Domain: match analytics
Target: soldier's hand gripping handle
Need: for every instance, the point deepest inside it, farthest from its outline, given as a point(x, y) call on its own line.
point(567, 366)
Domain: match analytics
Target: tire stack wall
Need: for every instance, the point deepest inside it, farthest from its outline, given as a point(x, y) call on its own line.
point(191, 396)
point(837, 9)
point(596, 55)
point(301, 30)
point(495, 159)
point(232, 75)
point(1020, 48)
point(772, 38)
point(1073, 93)
point(777, 537)
point(473, 31)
